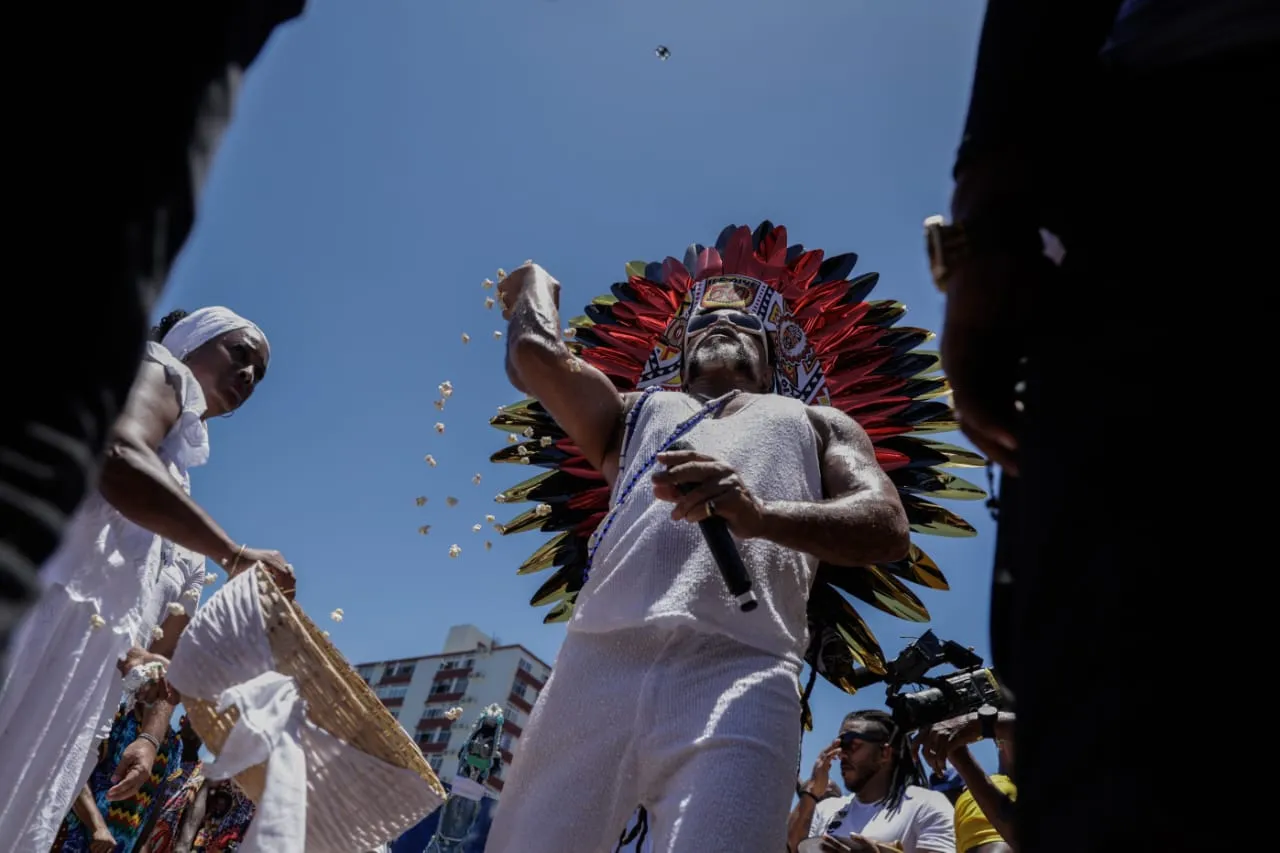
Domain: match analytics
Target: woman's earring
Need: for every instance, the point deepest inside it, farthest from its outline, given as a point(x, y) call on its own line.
point(228, 414)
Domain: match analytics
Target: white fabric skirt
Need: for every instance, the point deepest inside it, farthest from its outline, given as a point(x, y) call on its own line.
point(56, 699)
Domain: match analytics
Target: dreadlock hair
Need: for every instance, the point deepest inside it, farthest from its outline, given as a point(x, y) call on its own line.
point(159, 330)
point(905, 771)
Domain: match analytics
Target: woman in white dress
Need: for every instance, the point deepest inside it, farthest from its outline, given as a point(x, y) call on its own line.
point(103, 597)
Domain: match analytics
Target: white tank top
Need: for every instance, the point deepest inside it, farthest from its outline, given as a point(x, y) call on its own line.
point(649, 570)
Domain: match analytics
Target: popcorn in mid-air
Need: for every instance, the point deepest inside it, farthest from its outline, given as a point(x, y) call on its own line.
point(454, 550)
point(439, 427)
point(430, 460)
point(336, 615)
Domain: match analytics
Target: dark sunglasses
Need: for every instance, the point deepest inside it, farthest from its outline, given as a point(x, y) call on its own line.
point(849, 739)
point(743, 321)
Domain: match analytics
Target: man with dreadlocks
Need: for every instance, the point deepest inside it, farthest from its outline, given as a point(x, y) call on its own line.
point(665, 694)
point(887, 805)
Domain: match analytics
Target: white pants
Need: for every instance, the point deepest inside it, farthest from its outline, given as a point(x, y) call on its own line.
point(699, 729)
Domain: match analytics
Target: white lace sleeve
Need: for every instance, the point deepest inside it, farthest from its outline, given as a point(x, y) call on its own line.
point(191, 566)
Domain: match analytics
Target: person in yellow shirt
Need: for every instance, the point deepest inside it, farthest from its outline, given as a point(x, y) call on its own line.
point(983, 812)
point(974, 832)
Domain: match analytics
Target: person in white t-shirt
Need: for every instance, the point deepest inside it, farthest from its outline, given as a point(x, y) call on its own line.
point(888, 807)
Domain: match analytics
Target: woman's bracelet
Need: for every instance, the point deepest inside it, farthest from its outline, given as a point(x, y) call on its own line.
point(149, 738)
point(231, 569)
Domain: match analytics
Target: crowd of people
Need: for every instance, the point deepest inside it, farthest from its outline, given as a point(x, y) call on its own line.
point(1128, 132)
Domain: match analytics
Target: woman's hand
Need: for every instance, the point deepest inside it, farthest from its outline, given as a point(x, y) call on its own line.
point(102, 841)
point(281, 570)
point(133, 770)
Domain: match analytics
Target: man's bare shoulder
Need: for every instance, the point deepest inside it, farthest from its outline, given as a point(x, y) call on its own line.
point(833, 425)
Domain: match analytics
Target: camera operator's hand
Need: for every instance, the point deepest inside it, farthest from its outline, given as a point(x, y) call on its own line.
point(938, 741)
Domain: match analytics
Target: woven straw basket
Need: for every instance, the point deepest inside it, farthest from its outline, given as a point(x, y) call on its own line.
point(338, 700)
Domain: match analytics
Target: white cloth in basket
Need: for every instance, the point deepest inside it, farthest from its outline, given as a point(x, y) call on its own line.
point(321, 795)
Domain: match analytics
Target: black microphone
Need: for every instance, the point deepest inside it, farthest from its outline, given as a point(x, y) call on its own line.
point(723, 549)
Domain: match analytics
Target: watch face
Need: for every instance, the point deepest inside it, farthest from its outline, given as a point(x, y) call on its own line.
point(933, 247)
point(933, 239)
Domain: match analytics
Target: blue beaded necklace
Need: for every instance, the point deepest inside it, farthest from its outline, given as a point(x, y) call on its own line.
point(711, 409)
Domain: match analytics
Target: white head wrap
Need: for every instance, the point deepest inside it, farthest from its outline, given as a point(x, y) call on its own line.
point(204, 325)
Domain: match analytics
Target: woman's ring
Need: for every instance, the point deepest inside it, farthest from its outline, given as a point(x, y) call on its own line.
point(711, 508)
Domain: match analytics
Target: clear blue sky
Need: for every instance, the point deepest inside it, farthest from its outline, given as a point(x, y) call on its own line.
point(388, 156)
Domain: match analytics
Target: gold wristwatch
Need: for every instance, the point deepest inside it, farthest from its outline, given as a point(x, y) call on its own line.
point(948, 245)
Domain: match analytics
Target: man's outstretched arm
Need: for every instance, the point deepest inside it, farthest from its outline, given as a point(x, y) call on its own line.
point(579, 397)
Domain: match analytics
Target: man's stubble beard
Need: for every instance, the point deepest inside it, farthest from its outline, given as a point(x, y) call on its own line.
point(740, 361)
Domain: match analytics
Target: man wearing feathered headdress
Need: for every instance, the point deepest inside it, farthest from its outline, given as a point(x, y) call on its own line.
point(665, 693)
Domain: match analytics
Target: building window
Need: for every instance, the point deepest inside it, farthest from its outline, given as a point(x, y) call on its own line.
point(442, 687)
point(393, 691)
point(525, 665)
point(506, 741)
point(470, 662)
point(433, 713)
point(436, 762)
point(519, 689)
point(399, 670)
point(366, 672)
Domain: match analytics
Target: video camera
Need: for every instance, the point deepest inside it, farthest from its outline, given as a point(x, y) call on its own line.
point(945, 696)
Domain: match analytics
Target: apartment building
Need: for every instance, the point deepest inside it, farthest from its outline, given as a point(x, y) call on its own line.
point(472, 672)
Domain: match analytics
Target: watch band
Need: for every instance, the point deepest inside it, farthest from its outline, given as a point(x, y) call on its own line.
point(987, 717)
